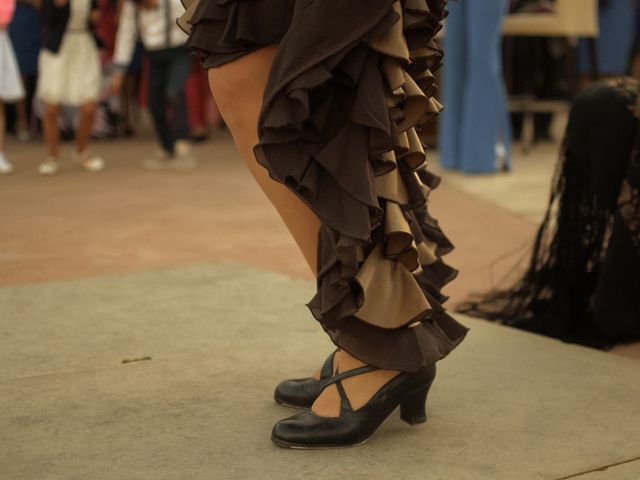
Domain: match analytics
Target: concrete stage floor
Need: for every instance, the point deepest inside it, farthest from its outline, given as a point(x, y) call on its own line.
point(194, 282)
point(212, 340)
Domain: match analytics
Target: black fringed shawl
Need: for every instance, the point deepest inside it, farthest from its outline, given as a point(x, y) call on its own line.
point(583, 280)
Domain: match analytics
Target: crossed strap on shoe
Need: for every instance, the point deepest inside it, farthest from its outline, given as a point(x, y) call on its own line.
point(338, 378)
point(307, 430)
point(327, 367)
point(302, 392)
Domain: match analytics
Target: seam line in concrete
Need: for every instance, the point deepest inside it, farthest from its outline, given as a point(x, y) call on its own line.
point(600, 469)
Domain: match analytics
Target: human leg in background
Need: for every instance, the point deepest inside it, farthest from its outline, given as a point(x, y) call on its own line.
point(127, 101)
point(475, 117)
point(5, 166)
point(25, 32)
point(454, 83)
point(505, 133)
point(168, 70)
point(83, 131)
point(197, 94)
point(24, 119)
point(237, 88)
point(179, 67)
point(484, 120)
point(157, 101)
point(130, 92)
point(547, 57)
point(51, 132)
point(90, 162)
point(22, 116)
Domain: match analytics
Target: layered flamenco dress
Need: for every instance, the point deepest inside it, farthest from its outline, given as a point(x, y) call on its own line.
point(350, 85)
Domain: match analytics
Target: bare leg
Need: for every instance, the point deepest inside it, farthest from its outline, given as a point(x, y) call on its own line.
point(237, 88)
point(21, 116)
point(83, 132)
point(5, 165)
point(50, 126)
point(127, 99)
point(22, 109)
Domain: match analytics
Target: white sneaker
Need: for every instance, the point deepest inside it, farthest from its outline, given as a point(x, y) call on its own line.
point(161, 160)
point(23, 136)
point(50, 166)
point(91, 163)
point(184, 158)
point(5, 166)
point(182, 147)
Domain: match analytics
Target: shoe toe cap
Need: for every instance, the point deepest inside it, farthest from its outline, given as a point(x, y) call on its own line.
point(289, 431)
point(307, 430)
point(300, 393)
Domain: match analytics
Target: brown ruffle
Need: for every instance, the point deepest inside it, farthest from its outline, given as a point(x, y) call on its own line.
point(351, 82)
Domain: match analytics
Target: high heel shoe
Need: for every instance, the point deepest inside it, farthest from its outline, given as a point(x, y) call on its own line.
point(306, 430)
point(302, 392)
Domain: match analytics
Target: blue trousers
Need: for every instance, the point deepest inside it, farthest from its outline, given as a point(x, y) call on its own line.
point(615, 42)
point(475, 115)
point(168, 72)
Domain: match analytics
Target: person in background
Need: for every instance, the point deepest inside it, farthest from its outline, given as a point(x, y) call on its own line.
point(169, 68)
point(25, 31)
point(117, 113)
point(198, 95)
point(106, 121)
point(475, 134)
point(70, 74)
point(583, 278)
point(10, 84)
point(129, 93)
point(106, 29)
point(538, 66)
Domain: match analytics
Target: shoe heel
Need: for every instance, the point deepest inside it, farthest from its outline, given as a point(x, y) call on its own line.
point(413, 408)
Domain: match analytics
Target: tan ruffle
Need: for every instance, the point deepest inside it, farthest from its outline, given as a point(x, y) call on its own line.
point(338, 127)
point(184, 20)
point(392, 296)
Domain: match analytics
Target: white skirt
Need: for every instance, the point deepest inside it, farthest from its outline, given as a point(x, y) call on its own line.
point(11, 89)
point(72, 76)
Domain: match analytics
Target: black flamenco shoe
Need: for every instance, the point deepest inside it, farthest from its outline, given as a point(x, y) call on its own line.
point(306, 430)
point(302, 392)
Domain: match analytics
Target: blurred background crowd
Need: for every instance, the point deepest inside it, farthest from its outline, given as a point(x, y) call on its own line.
point(86, 68)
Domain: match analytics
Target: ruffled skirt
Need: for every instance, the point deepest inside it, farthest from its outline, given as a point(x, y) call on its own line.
point(350, 86)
